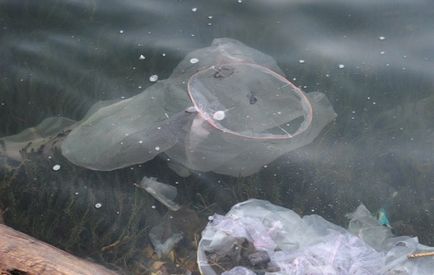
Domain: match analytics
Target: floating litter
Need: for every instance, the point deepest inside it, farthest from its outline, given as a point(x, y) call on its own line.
point(56, 167)
point(164, 193)
point(381, 37)
point(194, 9)
point(142, 57)
point(341, 66)
point(241, 101)
point(98, 205)
point(301, 61)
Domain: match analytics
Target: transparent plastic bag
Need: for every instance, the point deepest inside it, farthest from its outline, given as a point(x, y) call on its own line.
point(308, 245)
point(245, 115)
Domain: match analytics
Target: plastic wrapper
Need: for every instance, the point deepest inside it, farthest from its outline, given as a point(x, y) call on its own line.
point(258, 236)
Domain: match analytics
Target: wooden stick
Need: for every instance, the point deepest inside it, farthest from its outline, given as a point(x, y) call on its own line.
point(420, 254)
point(22, 254)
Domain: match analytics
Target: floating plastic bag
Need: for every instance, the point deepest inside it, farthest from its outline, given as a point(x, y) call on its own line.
point(245, 115)
point(257, 236)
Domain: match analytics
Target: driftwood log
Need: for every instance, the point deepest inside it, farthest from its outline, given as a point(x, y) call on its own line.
point(22, 254)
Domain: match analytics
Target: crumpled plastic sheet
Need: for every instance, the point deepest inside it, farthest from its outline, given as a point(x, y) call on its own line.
point(310, 244)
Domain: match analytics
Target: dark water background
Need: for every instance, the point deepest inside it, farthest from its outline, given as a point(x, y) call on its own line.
point(57, 58)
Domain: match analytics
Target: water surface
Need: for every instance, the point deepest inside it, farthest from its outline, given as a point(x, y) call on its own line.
point(372, 59)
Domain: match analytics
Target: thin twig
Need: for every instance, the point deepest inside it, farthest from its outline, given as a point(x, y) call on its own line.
point(420, 255)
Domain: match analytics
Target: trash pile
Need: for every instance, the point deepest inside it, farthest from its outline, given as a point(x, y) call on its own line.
point(257, 237)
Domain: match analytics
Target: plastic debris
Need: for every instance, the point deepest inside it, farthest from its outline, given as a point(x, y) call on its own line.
point(163, 239)
point(256, 236)
point(164, 193)
point(231, 133)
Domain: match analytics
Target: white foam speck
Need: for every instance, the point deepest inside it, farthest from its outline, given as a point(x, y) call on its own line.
point(121, 31)
point(381, 37)
point(341, 66)
point(157, 148)
point(98, 205)
point(194, 9)
point(301, 61)
point(140, 141)
point(153, 78)
point(219, 115)
point(56, 167)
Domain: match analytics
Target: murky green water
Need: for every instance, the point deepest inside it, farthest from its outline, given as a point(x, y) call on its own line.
point(374, 60)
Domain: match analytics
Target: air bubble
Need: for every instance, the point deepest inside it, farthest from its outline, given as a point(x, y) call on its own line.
point(153, 78)
point(219, 115)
